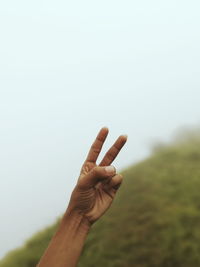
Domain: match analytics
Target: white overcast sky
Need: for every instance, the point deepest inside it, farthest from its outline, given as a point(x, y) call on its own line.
point(67, 68)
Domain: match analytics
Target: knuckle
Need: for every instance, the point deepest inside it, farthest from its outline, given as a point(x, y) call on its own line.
point(96, 150)
point(115, 149)
point(120, 178)
point(109, 155)
point(95, 171)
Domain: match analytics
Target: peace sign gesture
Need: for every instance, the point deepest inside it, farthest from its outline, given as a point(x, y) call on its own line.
point(97, 184)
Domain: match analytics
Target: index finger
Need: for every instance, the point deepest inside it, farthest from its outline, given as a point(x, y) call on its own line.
point(97, 145)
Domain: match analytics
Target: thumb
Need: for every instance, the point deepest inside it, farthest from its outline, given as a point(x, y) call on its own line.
point(97, 174)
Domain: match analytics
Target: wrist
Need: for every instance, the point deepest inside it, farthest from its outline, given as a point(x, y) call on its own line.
point(77, 219)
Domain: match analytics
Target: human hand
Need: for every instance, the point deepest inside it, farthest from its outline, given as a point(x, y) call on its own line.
point(97, 184)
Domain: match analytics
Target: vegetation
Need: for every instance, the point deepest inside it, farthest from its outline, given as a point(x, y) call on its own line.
point(154, 221)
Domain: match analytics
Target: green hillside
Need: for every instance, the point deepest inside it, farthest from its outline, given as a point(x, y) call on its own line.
point(154, 221)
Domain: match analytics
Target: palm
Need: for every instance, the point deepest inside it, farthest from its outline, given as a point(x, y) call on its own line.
point(97, 199)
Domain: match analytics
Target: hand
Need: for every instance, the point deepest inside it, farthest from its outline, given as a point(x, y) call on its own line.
point(97, 184)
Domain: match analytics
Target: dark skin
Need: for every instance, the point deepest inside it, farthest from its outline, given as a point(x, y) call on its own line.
point(93, 194)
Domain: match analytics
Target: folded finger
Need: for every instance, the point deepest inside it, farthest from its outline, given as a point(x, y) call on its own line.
point(96, 175)
point(115, 182)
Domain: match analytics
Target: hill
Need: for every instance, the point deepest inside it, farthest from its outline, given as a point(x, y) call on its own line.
point(154, 220)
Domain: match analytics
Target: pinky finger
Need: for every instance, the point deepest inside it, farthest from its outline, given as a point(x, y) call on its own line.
point(115, 182)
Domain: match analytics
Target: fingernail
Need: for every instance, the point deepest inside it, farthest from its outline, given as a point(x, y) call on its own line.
point(110, 170)
point(105, 127)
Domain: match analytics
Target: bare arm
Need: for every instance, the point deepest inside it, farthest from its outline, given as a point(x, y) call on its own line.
point(92, 196)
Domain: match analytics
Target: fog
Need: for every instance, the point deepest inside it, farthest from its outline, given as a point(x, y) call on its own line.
point(68, 68)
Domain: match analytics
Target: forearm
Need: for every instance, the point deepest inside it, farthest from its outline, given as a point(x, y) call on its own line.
point(90, 197)
point(66, 245)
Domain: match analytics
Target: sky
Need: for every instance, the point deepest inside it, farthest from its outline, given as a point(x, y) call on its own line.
point(69, 68)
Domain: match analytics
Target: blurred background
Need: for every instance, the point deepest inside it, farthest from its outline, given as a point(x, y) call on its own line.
point(68, 68)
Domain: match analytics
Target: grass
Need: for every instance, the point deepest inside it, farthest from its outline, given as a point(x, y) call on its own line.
point(154, 220)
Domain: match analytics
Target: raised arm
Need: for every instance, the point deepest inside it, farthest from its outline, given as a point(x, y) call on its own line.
point(92, 196)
